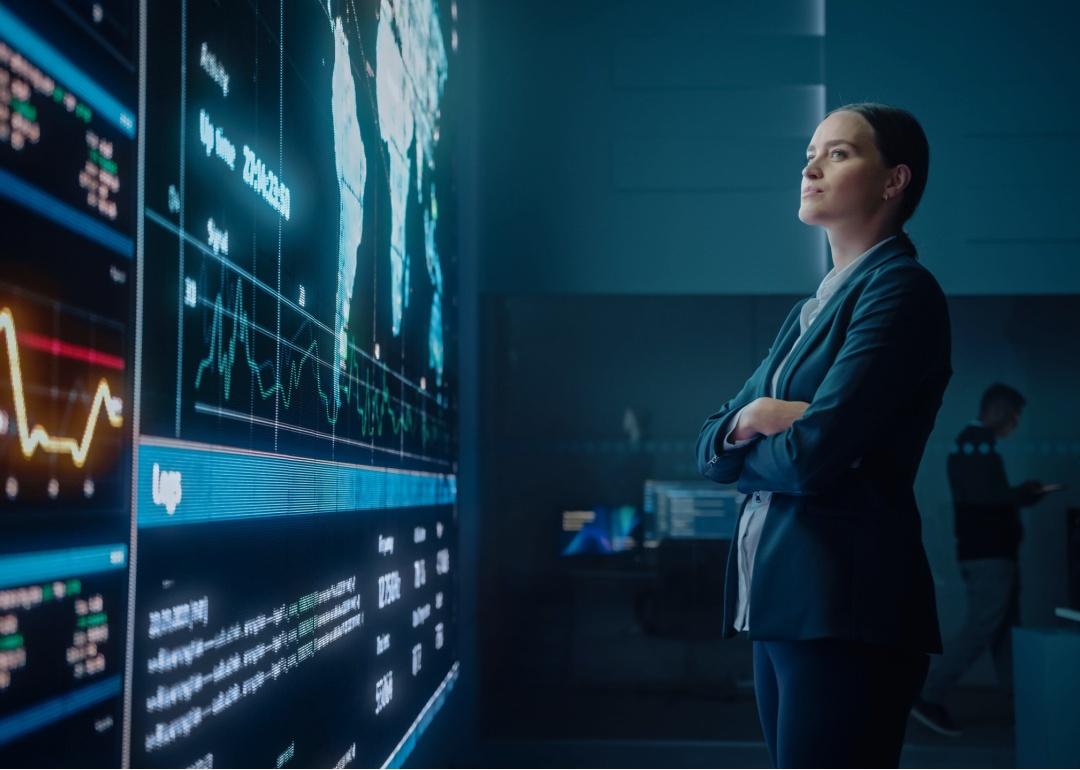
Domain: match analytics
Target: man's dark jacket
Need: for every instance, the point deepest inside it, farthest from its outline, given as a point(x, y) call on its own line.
point(987, 509)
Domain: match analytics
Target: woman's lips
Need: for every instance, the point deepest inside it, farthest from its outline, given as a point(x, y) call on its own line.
point(811, 191)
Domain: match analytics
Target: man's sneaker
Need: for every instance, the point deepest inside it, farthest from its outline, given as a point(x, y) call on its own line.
point(935, 717)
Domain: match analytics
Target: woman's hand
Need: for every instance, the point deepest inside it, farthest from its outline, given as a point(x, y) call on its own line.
point(767, 416)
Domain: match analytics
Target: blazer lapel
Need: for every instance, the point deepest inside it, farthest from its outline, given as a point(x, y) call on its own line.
point(893, 248)
point(779, 352)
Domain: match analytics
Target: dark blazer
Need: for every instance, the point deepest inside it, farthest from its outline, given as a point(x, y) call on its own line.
point(841, 553)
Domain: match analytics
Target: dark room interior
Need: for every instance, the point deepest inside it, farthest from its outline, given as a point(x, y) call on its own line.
point(439, 383)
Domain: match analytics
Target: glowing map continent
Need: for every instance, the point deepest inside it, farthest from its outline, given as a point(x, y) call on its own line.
point(410, 77)
point(351, 163)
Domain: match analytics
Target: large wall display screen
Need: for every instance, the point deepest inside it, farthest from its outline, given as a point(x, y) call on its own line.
point(228, 392)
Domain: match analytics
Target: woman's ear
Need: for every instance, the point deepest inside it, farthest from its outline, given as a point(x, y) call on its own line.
point(899, 179)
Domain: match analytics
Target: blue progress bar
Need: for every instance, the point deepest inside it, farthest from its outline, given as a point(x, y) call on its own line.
point(35, 48)
point(185, 484)
point(36, 717)
point(423, 720)
point(27, 568)
point(18, 191)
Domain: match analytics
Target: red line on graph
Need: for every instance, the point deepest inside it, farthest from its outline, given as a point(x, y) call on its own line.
point(68, 350)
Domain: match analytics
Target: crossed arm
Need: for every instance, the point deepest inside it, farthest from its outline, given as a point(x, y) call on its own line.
point(720, 464)
point(895, 332)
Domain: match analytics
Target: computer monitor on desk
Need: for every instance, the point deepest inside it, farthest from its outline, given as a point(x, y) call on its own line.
point(601, 530)
point(689, 510)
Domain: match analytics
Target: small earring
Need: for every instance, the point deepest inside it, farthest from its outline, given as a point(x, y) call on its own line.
point(885, 196)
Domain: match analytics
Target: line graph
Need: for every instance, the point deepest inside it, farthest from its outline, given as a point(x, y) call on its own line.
point(33, 439)
point(274, 296)
point(360, 387)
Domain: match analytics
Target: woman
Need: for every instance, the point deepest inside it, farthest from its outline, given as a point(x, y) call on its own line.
point(827, 573)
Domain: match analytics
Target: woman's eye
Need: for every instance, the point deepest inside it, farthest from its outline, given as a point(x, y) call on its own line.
point(841, 153)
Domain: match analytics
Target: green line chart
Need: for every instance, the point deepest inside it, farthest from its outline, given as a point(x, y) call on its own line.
point(365, 392)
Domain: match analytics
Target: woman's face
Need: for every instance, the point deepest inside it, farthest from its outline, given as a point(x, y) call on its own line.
point(845, 178)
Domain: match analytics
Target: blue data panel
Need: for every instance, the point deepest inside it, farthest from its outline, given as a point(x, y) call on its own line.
point(68, 194)
point(296, 475)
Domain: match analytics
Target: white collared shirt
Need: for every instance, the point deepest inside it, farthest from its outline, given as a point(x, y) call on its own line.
point(757, 507)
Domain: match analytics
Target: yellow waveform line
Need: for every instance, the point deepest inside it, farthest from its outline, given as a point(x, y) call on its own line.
point(31, 439)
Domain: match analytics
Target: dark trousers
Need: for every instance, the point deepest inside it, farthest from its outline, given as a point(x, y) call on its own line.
point(835, 703)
